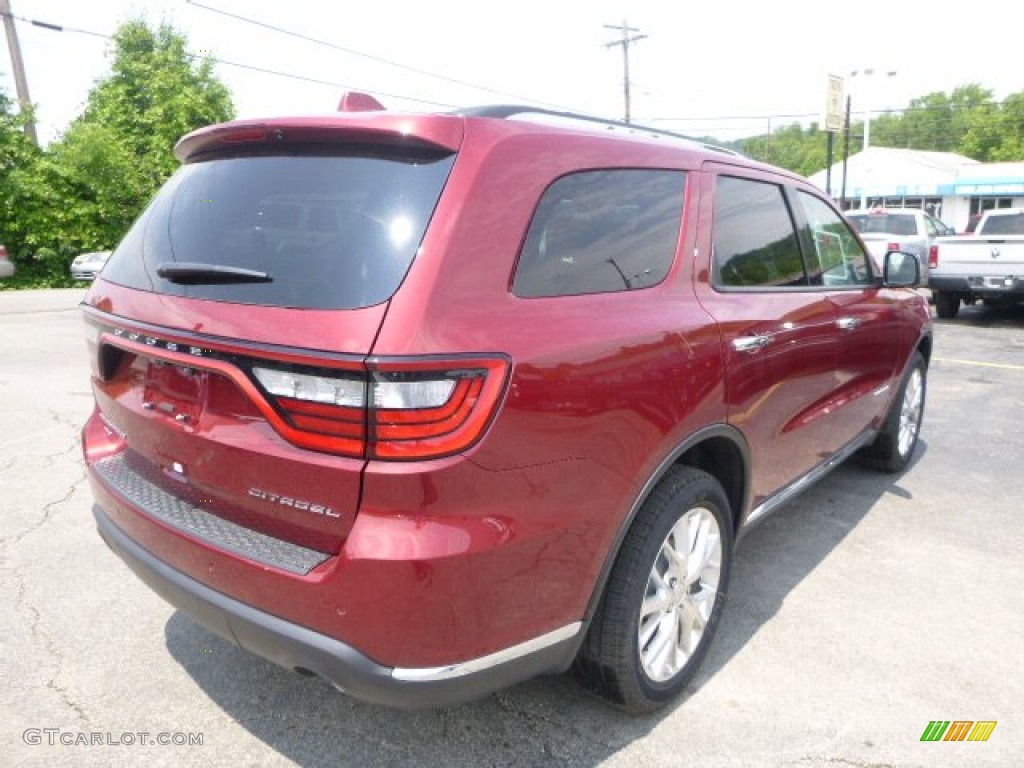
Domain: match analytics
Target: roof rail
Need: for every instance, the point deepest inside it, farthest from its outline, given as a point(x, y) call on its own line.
point(504, 111)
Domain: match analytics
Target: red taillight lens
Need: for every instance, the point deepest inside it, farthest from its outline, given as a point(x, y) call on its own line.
point(407, 410)
point(893, 247)
point(421, 410)
point(933, 257)
point(324, 410)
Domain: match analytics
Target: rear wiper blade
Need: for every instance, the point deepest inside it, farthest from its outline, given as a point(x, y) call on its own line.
point(196, 273)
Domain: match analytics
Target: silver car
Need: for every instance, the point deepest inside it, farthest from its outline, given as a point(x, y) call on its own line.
point(898, 229)
point(87, 265)
point(6, 266)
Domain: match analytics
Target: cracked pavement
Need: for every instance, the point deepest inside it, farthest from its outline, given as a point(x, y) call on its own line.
point(858, 613)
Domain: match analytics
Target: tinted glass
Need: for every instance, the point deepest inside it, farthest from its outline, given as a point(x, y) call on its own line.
point(332, 231)
point(884, 223)
point(1008, 224)
point(838, 259)
point(755, 244)
point(602, 231)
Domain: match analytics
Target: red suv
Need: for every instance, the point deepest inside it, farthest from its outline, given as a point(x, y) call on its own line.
point(430, 404)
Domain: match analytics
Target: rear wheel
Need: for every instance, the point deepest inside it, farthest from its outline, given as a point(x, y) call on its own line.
point(946, 304)
point(664, 596)
point(894, 446)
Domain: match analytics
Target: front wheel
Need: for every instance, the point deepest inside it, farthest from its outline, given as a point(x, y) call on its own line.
point(664, 597)
point(893, 448)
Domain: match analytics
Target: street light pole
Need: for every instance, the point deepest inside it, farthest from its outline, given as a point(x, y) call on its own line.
point(867, 123)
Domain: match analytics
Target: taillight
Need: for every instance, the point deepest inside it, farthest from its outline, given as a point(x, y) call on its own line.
point(424, 409)
point(893, 247)
point(933, 257)
point(326, 409)
point(409, 409)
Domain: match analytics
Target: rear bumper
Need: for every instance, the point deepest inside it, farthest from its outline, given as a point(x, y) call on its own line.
point(978, 285)
point(298, 648)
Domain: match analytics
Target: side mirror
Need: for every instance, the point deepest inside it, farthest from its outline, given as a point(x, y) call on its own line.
point(901, 270)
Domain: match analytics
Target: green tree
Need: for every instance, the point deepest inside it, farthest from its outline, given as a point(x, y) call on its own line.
point(939, 121)
point(802, 150)
point(84, 192)
point(995, 133)
point(967, 121)
point(18, 155)
point(115, 156)
point(156, 93)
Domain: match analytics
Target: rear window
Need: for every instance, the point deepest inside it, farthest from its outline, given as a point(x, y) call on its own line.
point(331, 230)
point(884, 223)
point(1004, 224)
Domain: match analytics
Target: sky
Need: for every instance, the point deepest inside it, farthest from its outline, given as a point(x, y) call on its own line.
point(727, 70)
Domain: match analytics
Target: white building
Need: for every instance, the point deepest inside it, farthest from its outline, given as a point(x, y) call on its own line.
point(949, 186)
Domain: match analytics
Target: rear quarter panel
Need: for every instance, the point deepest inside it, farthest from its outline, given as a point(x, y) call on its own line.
point(602, 388)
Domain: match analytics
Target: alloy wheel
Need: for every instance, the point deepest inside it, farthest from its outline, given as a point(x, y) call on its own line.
point(681, 591)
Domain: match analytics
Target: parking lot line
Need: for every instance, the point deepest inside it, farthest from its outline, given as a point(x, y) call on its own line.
point(979, 363)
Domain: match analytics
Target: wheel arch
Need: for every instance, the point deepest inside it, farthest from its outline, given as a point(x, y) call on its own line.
point(924, 346)
point(722, 452)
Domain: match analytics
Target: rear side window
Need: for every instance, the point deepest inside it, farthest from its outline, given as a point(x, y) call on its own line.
point(602, 231)
point(331, 230)
point(755, 243)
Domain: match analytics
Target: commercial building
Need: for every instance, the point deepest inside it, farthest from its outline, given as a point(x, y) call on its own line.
point(951, 187)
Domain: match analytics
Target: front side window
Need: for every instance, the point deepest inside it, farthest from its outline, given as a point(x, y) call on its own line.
point(755, 243)
point(602, 232)
point(837, 259)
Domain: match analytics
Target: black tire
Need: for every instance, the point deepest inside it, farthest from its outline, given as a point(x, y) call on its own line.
point(946, 304)
point(612, 662)
point(894, 447)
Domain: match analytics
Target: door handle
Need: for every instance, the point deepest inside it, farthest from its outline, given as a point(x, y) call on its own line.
point(848, 323)
point(751, 344)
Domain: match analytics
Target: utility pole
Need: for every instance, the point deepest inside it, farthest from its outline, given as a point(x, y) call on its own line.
point(846, 153)
point(18, 65)
point(625, 42)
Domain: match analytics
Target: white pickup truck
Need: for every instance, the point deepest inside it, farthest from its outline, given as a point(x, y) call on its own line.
point(988, 265)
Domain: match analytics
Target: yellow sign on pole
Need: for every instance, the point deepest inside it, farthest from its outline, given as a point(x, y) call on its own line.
point(833, 118)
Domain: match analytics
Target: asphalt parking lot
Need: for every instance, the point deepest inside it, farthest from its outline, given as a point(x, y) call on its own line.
point(859, 613)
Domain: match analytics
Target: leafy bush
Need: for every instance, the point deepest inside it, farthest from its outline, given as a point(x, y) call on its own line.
point(84, 191)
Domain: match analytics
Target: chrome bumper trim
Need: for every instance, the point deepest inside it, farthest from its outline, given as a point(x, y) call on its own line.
point(434, 674)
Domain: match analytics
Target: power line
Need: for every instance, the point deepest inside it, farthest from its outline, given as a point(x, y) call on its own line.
point(704, 122)
point(52, 27)
point(951, 106)
point(317, 81)
point(370, 56)
point(240, 65)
